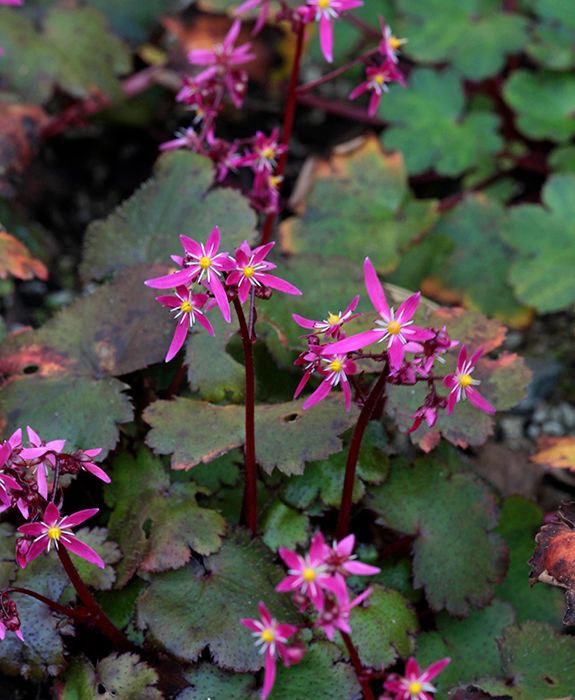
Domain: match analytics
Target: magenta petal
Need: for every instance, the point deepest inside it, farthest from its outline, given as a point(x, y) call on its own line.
point(244, 290)
point(79, 517)
point(213, 242)
point(478, 401)
point(303, 322)
point(345, 547)
point(36, 548)
point(169, 281)
point(97, 472)
point(51, 514)
point(417, 333)
point(406, 311)
point(461, 357)
point(396, 352)
point(171, 302)
point(289, 583)
point(360, 569)
point(346, 394)
point(250, 624)
point(33, 436)
point(304, 380)
point(359, 90)
point(318, 395)
point(233, 34)
point(42, 482)
point(269, 674)
point(374, 101)
point(412, 670)
point(179, 338)
point(451, 402)
point(277, 283)
point(221, 297)
point(33, 452)
point(318, 549)
point(203, 321)
point(375, 290)
point(326, 38)
point(191, 246)
point(435, 669)
point(476, 355)
point(82, 550)
point(291, 559)
point(32, 529)
point(354, 342)
point(262, 251)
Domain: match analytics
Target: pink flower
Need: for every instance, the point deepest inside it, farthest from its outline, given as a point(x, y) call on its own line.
point(185, 138)
point(415, 684)
point(337, 608)
point(325, 12)
point(461, 384)
point(82, 460)
point(11, 2)
point(336, 370)
point(341, 560)
point(224, 55)
point(377, 80)
point(44, 455)
point(394, 327)
point(307, 574)
point(311, 360)
point(9, 618)
point(252, 4)
point(265, 194)
point(251, 270)
point(389, 45)
point(331, 326)
point(272, 640)
point(202, 263)
point(265, 152)
point(56, 530)
point(7, 482)
point(186, 308)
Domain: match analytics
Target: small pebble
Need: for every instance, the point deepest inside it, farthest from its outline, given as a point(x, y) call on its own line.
point(553, 427)
point(567, 414)
point(541, 413)
point(512, 427)
point(533, 431)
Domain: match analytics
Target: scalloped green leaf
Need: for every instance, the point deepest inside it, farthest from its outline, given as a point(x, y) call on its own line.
point(73, 50)
point(544, 103)
point(286, 436)
point(58, 377)
point(384, 628)
point(118, 676)
point(157, 525)
point(208, 681)
point(460, 566)
point(284, 527)
point(542, 274)
point(475, 272)
point(97, 538)
point(431, 127)
point(359, 205)
point(520, 522)
point(200, 606)
point(553, 41)
point(537, 662)
point(471, 644)
point(133, 19)
point(176, 200)
point(471, 35)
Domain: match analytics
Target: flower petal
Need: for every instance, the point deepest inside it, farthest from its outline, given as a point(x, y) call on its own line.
point(375, 290)
point(82, 550)
point(354, 342)
point(318, 395)
point(221, 297)
point(79, 517)
point(277, 283)
point(326, 38)
point(269, 674)
point(179, 338)
point(479, 401)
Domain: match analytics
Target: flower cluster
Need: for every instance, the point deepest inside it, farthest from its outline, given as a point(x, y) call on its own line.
point(317, 581)
point(409, 354)
point(209, 277)
point(416, 684)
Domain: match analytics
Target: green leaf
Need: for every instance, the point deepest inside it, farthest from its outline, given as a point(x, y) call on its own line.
point(430, 127)
point(175, 201)
point(469, 34)
point(284, 527)
point(520, 522)
point(538, 663)
point(209, 681)
point(476, 271)
point(320, 674)
point(383, 628)
point(97, 538)
point(360, 205)
point(117, 329)
point(201, 606)
point(542, 274)
point(133, 19)
point(471, 644)
point(562, 159)
point(460, 566)
point(118, 676)
point(74, 51)
point(286, 436)
point(544, 104)
point(157, 525)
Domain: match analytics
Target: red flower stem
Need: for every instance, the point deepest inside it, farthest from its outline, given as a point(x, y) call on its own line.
point(307, 87)
point(250, 494)
point(56, 607)
point(287, 125)
point(354, 450)
point(357, 667)
point(354, 114)
point(176, 382)
point(363, 26)
point(97, 614)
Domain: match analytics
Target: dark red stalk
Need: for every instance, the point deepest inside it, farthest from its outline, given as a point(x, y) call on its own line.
point(307, 87)
point(176, 382)
point(56, 607)
point(287, 125)
point(250, 496)
point(357, 667)
point(97, 615)
point(345, 111)
point(353, 454)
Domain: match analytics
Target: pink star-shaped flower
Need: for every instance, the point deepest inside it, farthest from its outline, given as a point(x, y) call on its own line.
point(462, 384)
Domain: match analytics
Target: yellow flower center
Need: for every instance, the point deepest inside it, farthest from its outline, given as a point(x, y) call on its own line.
point(308, 574)
point(415, 688)
point(268, 153)
point(186, 307)
point(333, 319)
point(394, 327)
point(335, 366)
point(379, 79)
point(395, 43)
point(275, 180)
point(268, 635)
point(205, 262)
point(465, 380)
point(54, 532)
point(323, 4)
point(249, 271)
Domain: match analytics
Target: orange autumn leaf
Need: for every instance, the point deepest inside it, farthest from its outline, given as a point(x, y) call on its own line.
point(558, 453)
point(15, 260)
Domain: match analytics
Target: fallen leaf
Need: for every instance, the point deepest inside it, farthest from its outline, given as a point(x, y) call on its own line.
point(558, 453)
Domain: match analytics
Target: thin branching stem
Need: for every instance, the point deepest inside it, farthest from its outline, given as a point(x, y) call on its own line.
point(357, 667)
